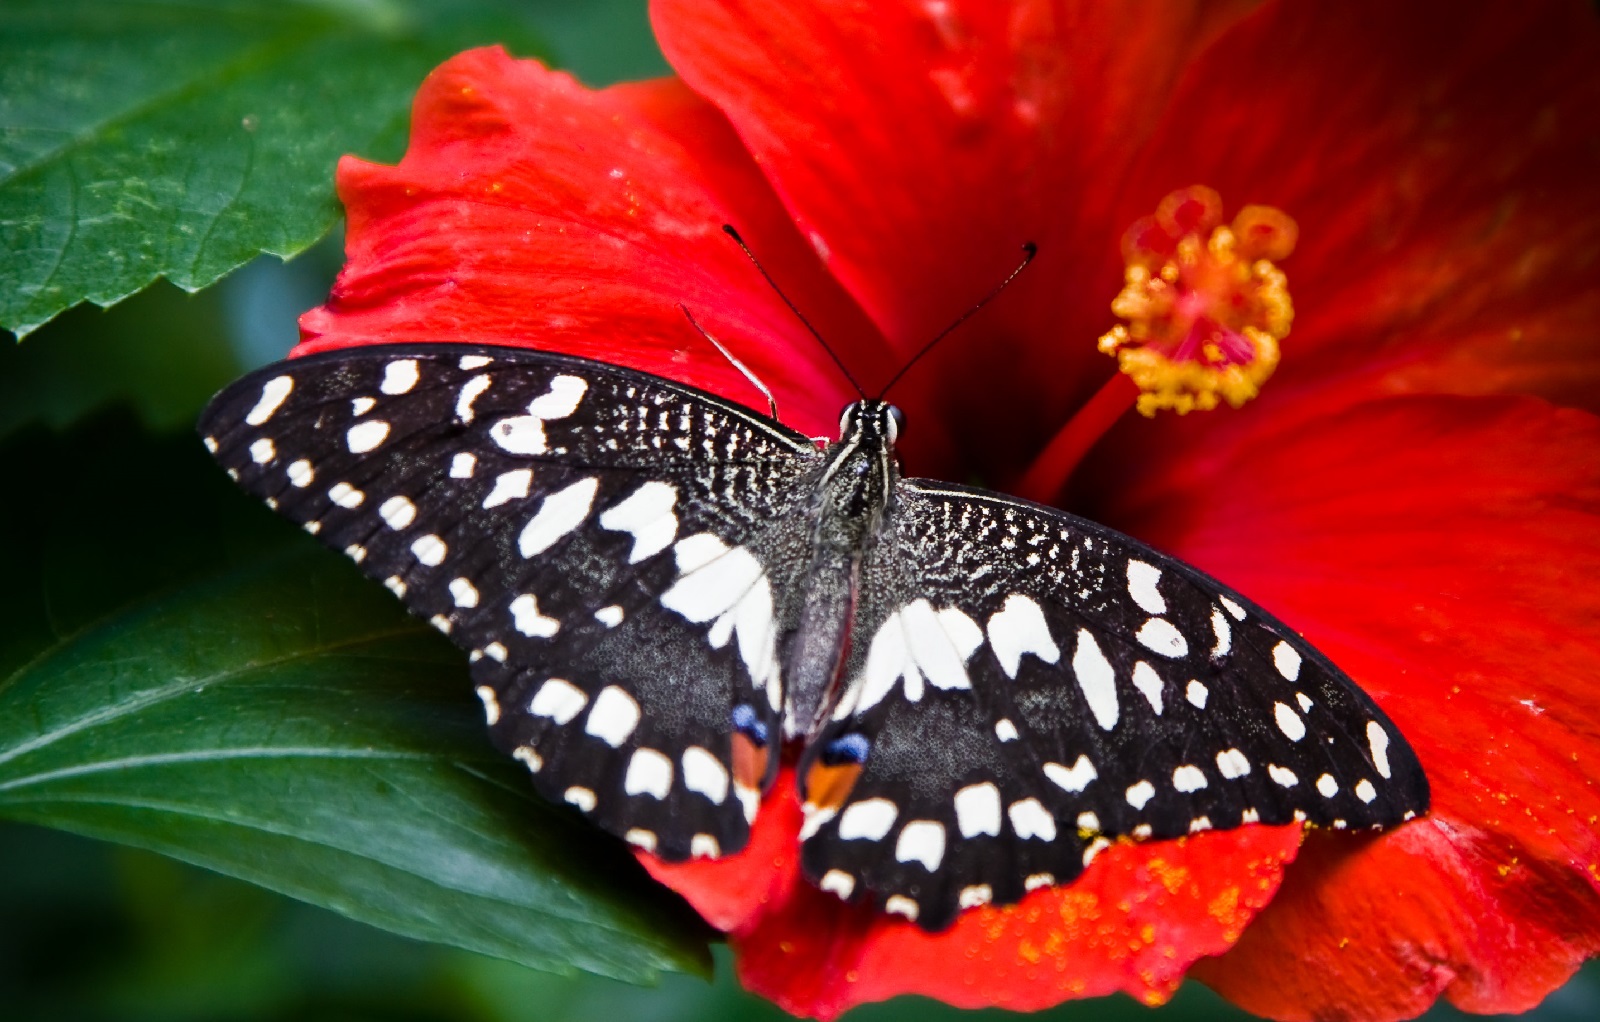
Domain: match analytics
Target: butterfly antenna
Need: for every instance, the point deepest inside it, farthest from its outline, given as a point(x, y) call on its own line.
point(728, 228)
point(748, 373)
point(1029, 250)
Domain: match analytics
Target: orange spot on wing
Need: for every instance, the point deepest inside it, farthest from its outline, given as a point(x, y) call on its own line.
point(827, 787)
point(749, 762)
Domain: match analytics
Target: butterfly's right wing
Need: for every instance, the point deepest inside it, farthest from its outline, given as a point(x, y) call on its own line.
point(1026, 687)
point(613, 550)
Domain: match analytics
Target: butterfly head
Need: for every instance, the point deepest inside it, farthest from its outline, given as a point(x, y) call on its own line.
point(871, 420)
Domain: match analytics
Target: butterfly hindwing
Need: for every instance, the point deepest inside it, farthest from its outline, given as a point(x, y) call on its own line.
point(608, 546)
point(1027, 686)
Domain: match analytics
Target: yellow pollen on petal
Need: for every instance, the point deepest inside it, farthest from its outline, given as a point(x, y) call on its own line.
point(1204, 304)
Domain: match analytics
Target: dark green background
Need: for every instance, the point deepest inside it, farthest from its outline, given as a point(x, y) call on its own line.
point(95, 410)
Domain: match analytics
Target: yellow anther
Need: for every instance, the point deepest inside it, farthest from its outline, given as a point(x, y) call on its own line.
point(1204, 304)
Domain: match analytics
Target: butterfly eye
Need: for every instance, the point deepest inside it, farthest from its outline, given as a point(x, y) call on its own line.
point(845, 419)
point(897, 422)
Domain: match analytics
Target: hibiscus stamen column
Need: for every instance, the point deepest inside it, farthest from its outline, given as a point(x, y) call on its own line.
point(1204, 306)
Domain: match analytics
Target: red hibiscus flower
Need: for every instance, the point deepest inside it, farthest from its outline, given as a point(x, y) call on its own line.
point(1416, 487)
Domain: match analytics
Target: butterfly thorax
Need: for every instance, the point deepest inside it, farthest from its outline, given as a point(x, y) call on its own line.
point(852, 491)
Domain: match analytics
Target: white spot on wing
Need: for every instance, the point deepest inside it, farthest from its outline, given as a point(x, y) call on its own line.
point(1378, 742)
point(1196, 693)
point(1140, 794)
point(508, 486)
point(1365, 791)
point(1232, 608)
point(558, 514)
point(921, 841)
point(469, 393)
point(1287, 661)
point(491, 705)
point(346, 496)
point(1096, 679)
point(838, 882)
point(1019, 628)
point(1327, 787)
point(610, 616)
point(729, 589)
point(1148, 682)
point(1158, 635)
point(464, 593)
point(704, 773)
point(646, 513)
point(977, 810)
point(558, 699)
point(1232, 764)
point(399, 376)
point(933, 649)
point(471, 362)
point(525, 617)
point(1073, 779)
point(869, 819)
point(263, 451)
point(366, 436)
point(273, 394)
point(583, 798)
point(1289, 722)
point(1142, 579)
point(397, 512)
point(1188, 778)
point(649, 773)
point(1223, 633)
point(641, 838)
point(1005, 730)
point(360, 406)
point(613, 716)
point(300, 473)
point(463, 464)
point(900, 905)
point(888, 661)
point(1030, 819)
point(977, 894)
point(429, 550)
point(1282, 776)
point(964, 633)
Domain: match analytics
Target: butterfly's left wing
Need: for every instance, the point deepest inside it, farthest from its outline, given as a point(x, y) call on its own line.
point(1026, 686)
point(611, 548)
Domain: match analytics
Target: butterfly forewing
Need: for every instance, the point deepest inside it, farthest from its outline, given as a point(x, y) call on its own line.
point(1026, 685)
point(614, 551)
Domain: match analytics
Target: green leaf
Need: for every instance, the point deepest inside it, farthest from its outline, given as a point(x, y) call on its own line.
point(143, 139)
point(280, 721)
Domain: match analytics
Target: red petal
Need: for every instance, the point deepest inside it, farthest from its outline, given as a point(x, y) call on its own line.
point(1444, 552)
point(1135, 921)
point(1440, 159)
point(733, 892)
point(532, 211)
point(918, 148)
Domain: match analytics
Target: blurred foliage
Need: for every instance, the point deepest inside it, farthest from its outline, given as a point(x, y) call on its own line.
point(142, 139)
point(332, 749)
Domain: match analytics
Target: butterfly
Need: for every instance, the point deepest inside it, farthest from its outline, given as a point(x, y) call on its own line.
point(661, 592)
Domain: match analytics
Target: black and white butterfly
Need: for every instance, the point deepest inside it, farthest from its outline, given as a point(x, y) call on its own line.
point(659, 590)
